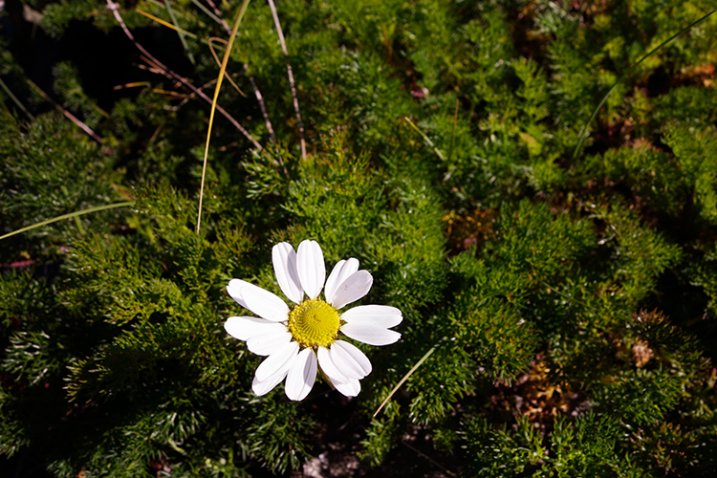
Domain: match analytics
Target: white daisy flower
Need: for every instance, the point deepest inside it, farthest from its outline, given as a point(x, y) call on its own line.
point(305, 337)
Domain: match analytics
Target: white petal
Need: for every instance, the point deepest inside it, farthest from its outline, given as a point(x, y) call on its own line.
point(234, 291)
point(268, 343)
point(382, 316)
point(302, 375)
point(353, 288)
point(263, 387)
point(263, 303)
point(277, 361)
point(341, 271)
point(345, 362)
point(370, 335)
point(329, 367)
point(244, 328)
point(284, 258)
point(349, 389)
point(310, 267)
point(359, 357)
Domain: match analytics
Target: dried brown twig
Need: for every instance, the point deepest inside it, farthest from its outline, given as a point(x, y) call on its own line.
point(290, 74)
point(164, 70)
point(252, 82)
point(66, 113)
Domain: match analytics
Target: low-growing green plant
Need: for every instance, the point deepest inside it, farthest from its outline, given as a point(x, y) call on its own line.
point(557, 275)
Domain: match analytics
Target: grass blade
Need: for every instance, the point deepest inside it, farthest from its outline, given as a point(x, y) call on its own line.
point(403, 380)
point(180, 33)
point(425, 138)
point(222, 70)
point(165, 23)
point(186, 33)
point(206, 11)
point(70, 215)
point(583, 132)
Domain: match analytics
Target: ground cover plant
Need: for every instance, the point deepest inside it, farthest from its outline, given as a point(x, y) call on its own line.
point(552, 249)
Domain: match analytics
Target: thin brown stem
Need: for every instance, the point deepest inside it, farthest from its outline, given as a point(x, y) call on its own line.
point(192, 95)
point(114, 8)
point(15, 99)
point(262, 106)
point(67, 114)
point(453, 130)
point(218, 14)
point(290, 74)
point(423, 455)
point(252, 82)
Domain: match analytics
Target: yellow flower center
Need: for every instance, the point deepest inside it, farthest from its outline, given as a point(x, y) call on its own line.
point(314, 323)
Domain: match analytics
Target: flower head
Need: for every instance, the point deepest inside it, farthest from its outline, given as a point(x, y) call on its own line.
point(301, 339)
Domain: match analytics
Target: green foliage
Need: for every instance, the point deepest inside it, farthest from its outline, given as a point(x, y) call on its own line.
point(583, 447)
point(69, 88)
point(54, 170)
point(568, 304)
point(695, 151)
point(381, 436)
